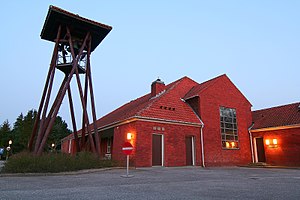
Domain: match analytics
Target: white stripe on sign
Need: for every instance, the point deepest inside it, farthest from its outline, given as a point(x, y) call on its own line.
point(127, 148)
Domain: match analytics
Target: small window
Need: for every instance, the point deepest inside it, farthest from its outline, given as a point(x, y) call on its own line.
point(229, 131)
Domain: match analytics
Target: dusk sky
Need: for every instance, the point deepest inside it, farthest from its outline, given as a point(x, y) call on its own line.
point(256, 43)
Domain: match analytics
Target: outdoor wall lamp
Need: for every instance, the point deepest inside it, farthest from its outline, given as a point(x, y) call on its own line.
point(129, 136)
point(271, 143)
point(8, 149)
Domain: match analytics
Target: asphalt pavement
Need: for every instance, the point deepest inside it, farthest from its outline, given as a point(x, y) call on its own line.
point(157, 183)
point(2, 162)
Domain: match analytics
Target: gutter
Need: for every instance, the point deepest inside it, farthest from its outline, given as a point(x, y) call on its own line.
point(251, 143)
point(202, 143)
point(276, 128)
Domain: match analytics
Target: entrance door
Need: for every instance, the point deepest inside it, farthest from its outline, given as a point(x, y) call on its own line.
point(157, 150)
point(189, 146)
point(260, 150)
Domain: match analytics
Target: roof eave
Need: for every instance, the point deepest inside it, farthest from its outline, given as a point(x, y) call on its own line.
point(275, 128)
point(141, 118)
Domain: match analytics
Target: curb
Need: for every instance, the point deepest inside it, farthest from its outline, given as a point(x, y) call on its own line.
point(84, 171)
point(270, 166)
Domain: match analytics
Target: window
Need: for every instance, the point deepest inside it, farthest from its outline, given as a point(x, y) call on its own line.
point(229, 131)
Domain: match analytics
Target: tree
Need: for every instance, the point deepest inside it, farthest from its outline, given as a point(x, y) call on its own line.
point(22, 131)
point(5, 134)
point(59, 131)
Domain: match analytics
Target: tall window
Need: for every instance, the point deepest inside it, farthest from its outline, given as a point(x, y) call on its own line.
point(229, 131)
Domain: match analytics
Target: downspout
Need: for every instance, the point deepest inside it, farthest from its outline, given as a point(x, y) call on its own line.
point(202, 144)
point(251, 143)
point(201, 134)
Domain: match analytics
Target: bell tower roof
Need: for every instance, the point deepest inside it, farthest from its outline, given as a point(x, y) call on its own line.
point(80, 25)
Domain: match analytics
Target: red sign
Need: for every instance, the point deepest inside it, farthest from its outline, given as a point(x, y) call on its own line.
point(127, 148)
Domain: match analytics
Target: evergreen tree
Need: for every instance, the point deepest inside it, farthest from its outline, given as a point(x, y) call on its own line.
point(5, 134)
point(59, 131)
point(22, 130)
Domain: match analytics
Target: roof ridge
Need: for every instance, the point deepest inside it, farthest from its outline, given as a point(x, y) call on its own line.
point(79, 17)
point(274, 107)
point(158, 97)
point(213, 79)
point(202, 86)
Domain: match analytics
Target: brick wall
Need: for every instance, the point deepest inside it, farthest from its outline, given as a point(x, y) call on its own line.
point(287, 152)
point(119, 138)
point(224, 93)
point(65, 146)
point(174, 143)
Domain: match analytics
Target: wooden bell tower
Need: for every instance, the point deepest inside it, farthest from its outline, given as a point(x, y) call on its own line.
point(75, 38)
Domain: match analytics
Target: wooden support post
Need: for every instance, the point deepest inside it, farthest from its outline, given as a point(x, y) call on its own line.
point(97, 138)
point(50, 74)
point(62, 93)
point(73, 120)
point(80, 90)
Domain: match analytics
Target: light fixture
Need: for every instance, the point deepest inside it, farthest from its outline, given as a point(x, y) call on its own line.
point(10, 142)
point(267, 142)
point(227, 145)
point(271, 143)
point(232, 144)
point(129, 136)
point(52, 145)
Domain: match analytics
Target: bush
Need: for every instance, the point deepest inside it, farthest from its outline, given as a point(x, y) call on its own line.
point(53, 162)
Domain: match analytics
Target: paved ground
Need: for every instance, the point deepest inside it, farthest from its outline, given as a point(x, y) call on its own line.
point(158, 183)
point(2, 162)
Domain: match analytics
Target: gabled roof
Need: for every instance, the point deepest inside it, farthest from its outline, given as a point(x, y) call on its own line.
point(286, 115)
point(197, 89)
point(200, 88)
point(168, 106)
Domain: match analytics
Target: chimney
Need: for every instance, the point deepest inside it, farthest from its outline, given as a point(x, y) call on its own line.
point(157, 87)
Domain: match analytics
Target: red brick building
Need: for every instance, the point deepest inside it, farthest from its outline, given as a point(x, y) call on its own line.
point(276, 135)
point(182, 123)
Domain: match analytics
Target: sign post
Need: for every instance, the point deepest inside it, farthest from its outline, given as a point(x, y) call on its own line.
point(127, 150)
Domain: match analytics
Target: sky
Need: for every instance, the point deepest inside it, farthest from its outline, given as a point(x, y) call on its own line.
point(256, 43)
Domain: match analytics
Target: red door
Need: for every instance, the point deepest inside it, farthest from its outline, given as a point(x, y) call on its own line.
point(260, 150)
point(189, 146)
point(156, 150)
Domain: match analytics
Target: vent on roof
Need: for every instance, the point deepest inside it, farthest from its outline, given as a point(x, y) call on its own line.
point(299, 108)
point(167, 108)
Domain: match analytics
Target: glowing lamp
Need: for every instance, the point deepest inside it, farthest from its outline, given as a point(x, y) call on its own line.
point(272, 143)
point(129, 136)
point(227, 145)
point(232, 144)
point(52, 145)
point(10, 142)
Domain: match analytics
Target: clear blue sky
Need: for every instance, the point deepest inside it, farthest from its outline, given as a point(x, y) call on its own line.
point(256, 43)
